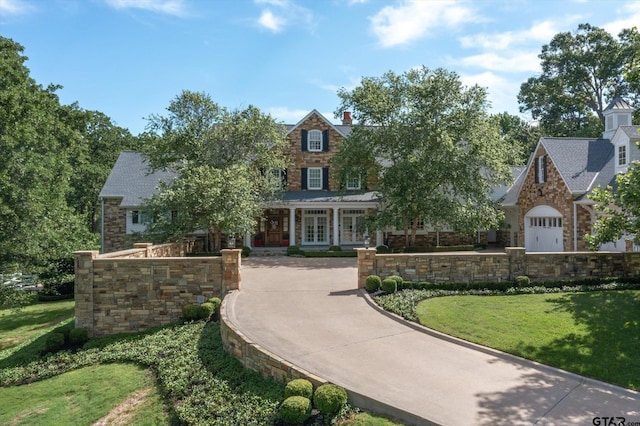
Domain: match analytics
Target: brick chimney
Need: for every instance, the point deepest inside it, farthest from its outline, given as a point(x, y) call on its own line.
point(346, 118)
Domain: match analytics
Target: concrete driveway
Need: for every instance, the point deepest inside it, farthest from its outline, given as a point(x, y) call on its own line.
point(308, 312)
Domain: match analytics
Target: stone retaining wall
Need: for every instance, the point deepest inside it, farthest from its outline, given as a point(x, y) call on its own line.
point(136, 289)
point(257, 358)
point(496, 267)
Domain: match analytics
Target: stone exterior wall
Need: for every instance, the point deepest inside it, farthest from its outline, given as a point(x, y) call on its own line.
point(137, 289)
point(432, 239)
point(497, 267)
point(115, 225)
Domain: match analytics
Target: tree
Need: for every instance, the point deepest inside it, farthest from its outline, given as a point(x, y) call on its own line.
point(221, 158)
point(432, 147)
point(521, 136)
point(618, 209)
point(581, 73)
point(37, 225)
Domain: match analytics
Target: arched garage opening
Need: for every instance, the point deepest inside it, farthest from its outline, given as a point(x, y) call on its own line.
point(543, 226)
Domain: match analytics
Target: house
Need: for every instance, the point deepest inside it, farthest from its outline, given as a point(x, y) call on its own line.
point(548, 209)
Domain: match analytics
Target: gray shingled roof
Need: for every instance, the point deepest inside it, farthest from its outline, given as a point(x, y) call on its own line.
point(329, 196)
point(510, 197)
point(131, 178)
point(631, 131)
point(580, 161)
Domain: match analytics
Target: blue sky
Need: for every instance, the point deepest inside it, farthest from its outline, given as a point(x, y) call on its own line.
point(130, 58)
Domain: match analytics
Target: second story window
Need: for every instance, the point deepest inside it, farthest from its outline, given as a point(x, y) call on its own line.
point(353, 182)
point(315, 141)
point(314, 178)
point(622, 155)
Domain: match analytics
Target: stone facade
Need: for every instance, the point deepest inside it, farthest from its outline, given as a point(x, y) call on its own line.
point(137, 289)
point(497, 267)
point(114, 221)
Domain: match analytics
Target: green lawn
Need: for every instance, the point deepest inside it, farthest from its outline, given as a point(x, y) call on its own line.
point(596, 334)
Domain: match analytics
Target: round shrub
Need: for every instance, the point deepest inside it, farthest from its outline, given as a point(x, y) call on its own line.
point(54, 342)
point(207, 310)
point(372, 283)
point(78, 336)
point(383, 249)
point(299, 387)
point(523, 281)
point(398, 279)
point(295, 409)
point(329, 399)
point(293, 251)
point(246, 251)
point(335, 248)
point(216, 302)
point(389, 285)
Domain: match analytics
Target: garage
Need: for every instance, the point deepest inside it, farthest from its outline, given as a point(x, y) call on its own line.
point(543, 230)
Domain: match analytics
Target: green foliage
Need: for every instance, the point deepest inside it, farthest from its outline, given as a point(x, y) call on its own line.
point(398, 279)
point(521, 136)
point(299, 387)
point(78, 336)
point(372, 283)
point(389, 285)
point(54, 342)
point(437, 142)
point(197, 312)
point(383, 249)
point(335, 248)
point(324, 253)
point(329, 399)
point(294, 251)
point(295, 409)
point(217, 155)
point(246, 251)
point(522, 281)
point(216, 302)
point(581, 73)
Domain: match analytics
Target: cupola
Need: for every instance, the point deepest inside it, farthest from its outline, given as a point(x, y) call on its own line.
point(617, 113)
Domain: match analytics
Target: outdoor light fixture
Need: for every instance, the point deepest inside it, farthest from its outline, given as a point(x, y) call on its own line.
point(231, 242)
point(367, 241)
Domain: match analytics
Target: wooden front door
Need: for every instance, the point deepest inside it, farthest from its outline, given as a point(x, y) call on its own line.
point(274, 230)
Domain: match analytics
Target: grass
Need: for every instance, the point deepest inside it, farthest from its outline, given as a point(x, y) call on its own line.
point(20, 326)
point(83, 397)
point(178, 374)
point(596, 334)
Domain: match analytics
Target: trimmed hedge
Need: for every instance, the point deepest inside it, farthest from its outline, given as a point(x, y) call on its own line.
point(299, 387)
point(372, 283)
point(78, 336)
point(54, 342)
point(329, 399)
point(295, 409)
point(196, 312)
point(389, 285)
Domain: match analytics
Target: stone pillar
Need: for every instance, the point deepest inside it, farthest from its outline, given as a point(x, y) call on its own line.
point(292, 226)
point(83, 294)
point(366, 264)
point(336, 229)
point(231, 269)
point(517, 261)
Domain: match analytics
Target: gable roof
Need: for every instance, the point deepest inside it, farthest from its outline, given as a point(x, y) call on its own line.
point(343, 130)
point(618, 103)
point(132, 179)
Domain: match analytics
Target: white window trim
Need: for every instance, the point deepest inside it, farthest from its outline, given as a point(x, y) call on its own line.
point(350, 185)
point(318, 238)
point(622, 148)
point(541, 171)
point(319, 140)
point(309, 180)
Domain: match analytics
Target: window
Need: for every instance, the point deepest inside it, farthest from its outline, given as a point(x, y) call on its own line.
point(135, 216)
point(545, 222)
point(353, 183)
point(541, 169)
point(315, 141)
point(277, 179)
point(314, 178)
point(622, 155)
point(420, 225)
point(315, 229)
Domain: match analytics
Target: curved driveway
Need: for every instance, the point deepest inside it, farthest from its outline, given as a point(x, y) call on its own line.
point(308, 312)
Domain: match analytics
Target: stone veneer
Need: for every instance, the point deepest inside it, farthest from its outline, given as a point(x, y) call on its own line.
point(136, 289)
point(114, 220)
point(496, 267)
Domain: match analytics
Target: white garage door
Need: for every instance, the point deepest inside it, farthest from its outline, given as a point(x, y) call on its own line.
point(543, 228)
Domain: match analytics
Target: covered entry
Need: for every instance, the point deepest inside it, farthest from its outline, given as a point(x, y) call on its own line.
point(543, 229)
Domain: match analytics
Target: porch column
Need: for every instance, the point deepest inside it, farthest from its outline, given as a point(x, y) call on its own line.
point(336, 236)
point(292, 226)
point(247, 240)
point(379, 238)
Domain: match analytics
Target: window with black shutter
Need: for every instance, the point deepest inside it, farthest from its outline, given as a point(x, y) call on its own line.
point(325, 141)
point(303, 139)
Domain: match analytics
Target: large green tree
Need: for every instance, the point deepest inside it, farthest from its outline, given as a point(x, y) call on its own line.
point(36, 224)
point(431, 145)
point(581, 73)
point(222, 158)
point(521, 136)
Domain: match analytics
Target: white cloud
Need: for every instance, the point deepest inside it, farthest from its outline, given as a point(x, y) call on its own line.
point(271, 22)
point(287, 115)
point(15, 7)
point(169, 7)
point(414, 19)
point(541, 32)
point(500, 91)
point(514, 62)
point(284, 13)
point(631, 13)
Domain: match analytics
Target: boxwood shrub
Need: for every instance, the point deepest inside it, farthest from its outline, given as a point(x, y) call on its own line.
point(54, 342)
point(389, 285)
point(196, 312)
point(295, 409)
point(299, 387)
point(329, 399)
point(78, 336)
point(372, 283)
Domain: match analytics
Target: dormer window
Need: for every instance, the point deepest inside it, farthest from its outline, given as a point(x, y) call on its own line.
point(622, 155)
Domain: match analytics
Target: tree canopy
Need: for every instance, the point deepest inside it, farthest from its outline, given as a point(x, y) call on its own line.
point(431, 145)
point(221, 158)
point(581, 73)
